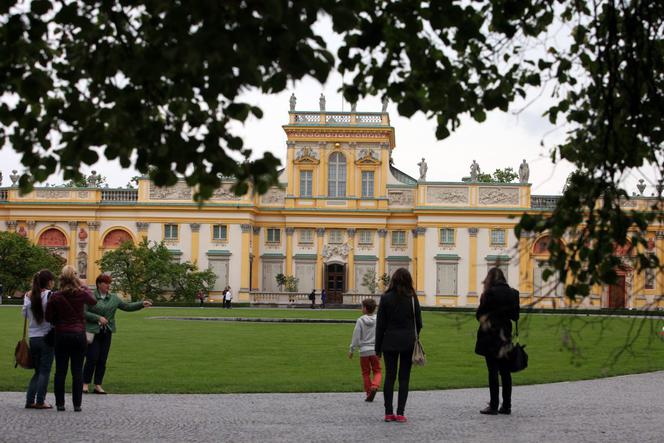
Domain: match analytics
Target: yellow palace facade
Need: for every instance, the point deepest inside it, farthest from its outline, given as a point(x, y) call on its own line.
point(342, 214)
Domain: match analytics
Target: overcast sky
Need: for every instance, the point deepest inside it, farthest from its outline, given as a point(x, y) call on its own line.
point(503, 140)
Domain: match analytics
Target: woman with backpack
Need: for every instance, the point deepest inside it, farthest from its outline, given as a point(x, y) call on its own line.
point(499, 305)
point(41, 338)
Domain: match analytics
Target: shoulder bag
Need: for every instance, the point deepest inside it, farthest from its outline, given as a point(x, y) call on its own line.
point(419, 357)
point(22, 351)
point(517, 356)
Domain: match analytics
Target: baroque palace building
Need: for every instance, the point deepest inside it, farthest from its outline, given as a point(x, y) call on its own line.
point(342, 210)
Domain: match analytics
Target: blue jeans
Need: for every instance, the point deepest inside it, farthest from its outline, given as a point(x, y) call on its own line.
point(42, 358)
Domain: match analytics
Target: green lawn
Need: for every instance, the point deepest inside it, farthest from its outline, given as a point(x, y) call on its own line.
point(165, 356)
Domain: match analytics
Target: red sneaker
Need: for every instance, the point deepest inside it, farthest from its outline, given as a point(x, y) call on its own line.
point(400, 418)
point(390, 417)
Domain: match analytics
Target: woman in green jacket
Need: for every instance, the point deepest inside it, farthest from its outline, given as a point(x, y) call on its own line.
point(100, 321)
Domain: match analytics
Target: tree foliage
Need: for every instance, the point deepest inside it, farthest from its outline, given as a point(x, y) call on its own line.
point(370, 281)
point(506, 175)
point(147, 270)
point(159, 82)
point(20, 260)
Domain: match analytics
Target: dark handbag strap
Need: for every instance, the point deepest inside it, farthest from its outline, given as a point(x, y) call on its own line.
point(414, 319)
point(25, 327)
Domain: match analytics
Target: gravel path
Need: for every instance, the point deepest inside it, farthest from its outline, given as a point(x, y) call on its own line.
point(618, 409)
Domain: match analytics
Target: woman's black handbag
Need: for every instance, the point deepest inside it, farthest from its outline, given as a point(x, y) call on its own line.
point(517, 356)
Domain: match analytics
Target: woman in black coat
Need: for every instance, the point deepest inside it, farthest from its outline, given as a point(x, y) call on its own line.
point(398, 316)
point(499, 305)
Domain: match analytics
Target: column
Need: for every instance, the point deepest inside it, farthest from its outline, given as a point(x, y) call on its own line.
point(525, 274)
point(659, 247)
point(255, 250)
point(93, 251)
point(416, 260)
point(71, 256)
point(290, 149)
point(421, 237)
point(11, 225)
point(31, 230)
point(351, 259)
point(472, 262)
point(244, 267)
point(351, 182)
point(381, 251)
point(195, 243)
point(289, 250)
point(142, 228)
point(320, 233)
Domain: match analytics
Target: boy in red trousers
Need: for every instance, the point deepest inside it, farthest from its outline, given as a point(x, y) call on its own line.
point(364, 338)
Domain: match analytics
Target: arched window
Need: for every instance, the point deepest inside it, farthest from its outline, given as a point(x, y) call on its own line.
point(336, 177)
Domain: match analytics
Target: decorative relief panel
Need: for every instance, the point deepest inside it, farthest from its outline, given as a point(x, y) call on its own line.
point(447, 195)
point(306, 153)
point(180, 191)
point(115, 238)
point(401, 198)
point(499, 196)
point(274, 196)
point(367, 155)
point(336, 251)
point(224, 193)
point(52, 193)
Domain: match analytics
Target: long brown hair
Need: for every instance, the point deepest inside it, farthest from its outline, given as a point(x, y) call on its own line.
point(69, 279)
point(402, 283)
point(493, 277)
point(39, 282)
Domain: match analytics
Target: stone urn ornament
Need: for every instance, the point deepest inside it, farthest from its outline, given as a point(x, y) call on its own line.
point(641, 186)
point(14, 177)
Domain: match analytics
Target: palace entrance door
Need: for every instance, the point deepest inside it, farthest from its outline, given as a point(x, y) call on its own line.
point(335, 283)
point(617, 293)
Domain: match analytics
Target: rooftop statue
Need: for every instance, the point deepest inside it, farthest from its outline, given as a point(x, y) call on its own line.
point(384, 110)
point(321, 102)
point(474, 171)
point(423, 170)
point(524, 172)
point(293, 101)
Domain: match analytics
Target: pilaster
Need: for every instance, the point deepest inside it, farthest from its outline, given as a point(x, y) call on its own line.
point(472, 261)
point(289, 250)
point(142, 228)
point(382, 233)
point(255, 250)
point(421, 246)
point(195, 241)
point(93, 252)
point(244, 268)
point(320, 234)
point(351, 259)
point(71, 254)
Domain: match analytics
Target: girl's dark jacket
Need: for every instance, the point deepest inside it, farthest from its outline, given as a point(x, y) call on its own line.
point(497, 308)
point(395, 327)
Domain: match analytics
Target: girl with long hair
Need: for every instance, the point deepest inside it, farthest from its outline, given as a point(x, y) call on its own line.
point(399, 315)
point(66, 312)
point(499, 305)
point(41, 346)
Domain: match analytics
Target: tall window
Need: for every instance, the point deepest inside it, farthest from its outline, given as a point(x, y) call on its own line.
point(170, 232)
point(306, 180)
point(398, 238)
point(273, 235)
point(220, 232)
point(336, 182)
point(366, 237)
point(497, 237)
point(336, 236)
point(306, 236)
point(367, 183)
point(447, 236)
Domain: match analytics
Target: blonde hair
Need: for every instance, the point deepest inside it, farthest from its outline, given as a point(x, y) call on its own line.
point(69, 279)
